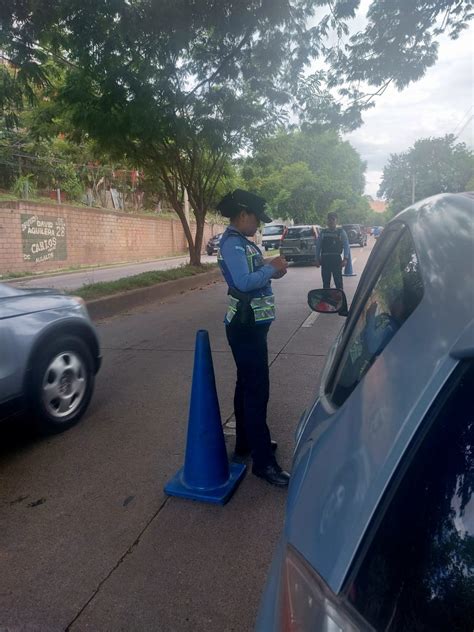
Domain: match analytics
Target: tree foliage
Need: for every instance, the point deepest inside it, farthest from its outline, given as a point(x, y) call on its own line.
point(180, 86)
point(431, 166)
point(304, 175)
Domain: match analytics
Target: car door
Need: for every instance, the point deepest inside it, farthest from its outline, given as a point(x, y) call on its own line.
point(415, 570)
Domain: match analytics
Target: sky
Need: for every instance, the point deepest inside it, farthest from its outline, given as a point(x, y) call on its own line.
point(438, 104)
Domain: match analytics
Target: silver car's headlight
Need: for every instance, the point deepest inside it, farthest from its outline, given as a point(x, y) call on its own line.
point(81, 304)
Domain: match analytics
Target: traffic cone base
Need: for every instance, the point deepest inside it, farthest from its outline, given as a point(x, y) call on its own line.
point(219, 495)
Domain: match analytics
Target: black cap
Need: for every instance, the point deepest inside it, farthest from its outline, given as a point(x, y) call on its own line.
point(240, 200)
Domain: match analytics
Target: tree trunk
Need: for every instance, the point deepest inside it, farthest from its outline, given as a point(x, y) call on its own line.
point(172, 192)
point(188, 234)
point(195, 254)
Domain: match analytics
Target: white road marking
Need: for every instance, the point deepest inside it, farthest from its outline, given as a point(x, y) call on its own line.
point(353, 261)
point(309, 322)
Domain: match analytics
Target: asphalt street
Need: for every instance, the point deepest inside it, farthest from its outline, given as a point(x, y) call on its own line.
point(88, 539)
point(74, 280)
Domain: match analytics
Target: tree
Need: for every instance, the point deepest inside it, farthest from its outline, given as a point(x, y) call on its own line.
point(304, 175)
point(431, 166)
point(180, 87)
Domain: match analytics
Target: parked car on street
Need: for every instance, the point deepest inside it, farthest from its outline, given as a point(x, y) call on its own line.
point(272, 235)
point(355, 234)
point(379, 529)
point(213, 244)
point(299, 243)
point(49, 356)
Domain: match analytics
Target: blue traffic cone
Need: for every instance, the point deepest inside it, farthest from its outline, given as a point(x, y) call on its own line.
point(207, 474)
point(348, 271)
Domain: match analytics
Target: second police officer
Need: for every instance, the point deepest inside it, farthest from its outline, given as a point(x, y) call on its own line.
point(332, 242)
point(249, 315)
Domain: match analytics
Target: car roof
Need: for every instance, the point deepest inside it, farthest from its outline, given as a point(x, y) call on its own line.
point(352, 452)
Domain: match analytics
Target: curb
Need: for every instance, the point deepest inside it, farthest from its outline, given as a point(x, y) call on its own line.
point(114, 304)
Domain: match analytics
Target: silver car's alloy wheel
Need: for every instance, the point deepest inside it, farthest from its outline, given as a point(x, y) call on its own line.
point(64, 384)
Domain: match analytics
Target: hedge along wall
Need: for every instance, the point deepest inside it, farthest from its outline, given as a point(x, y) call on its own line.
point(36, 237)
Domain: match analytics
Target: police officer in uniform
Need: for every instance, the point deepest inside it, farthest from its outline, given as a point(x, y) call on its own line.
point(250, 313)
point(332, 242)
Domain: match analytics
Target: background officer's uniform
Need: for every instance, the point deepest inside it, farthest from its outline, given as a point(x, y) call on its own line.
point(250, 312)
point(329, 247)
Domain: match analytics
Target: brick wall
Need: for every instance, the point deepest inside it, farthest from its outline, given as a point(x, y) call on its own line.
point(36, 237)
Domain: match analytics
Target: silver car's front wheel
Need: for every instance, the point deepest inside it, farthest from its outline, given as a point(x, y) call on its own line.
point(61, 383)
point(64, 384)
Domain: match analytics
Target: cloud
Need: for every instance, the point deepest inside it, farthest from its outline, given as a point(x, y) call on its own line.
point(440, 103)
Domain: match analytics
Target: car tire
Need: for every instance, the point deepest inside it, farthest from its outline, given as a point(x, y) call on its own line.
point(61, 384)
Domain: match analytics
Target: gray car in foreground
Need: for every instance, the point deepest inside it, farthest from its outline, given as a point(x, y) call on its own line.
point(379, 529)
point(49, 355)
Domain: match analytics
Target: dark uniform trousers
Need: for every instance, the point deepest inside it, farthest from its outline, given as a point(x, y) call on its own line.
point(249, 348)
point(331, 265)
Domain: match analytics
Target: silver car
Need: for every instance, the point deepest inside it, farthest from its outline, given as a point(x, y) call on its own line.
point(49, 356)
point(379, 529)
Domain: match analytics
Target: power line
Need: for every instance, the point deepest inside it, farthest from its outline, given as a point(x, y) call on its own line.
point(464, 126)
point(455, 133)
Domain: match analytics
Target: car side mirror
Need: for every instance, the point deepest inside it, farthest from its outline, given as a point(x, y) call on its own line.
point(329, 301)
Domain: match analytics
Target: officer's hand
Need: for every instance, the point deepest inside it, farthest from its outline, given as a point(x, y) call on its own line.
point(278, 275)
point(317, 263)
point(279, 263)
point(344, 263)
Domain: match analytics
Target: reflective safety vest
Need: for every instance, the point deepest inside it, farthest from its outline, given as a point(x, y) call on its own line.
point(260, 301)
point(331, 243)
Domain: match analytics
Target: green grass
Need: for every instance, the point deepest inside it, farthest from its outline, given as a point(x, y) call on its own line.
point(7, 197)
point(14, 275)
point(145, 279)
point(10, 197)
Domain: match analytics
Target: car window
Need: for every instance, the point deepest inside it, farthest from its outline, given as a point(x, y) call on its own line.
point(418, 572)
point(273, 230)
point(395, 294)
point(298, 233)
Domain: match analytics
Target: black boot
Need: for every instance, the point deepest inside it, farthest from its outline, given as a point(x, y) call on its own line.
point(273, 474)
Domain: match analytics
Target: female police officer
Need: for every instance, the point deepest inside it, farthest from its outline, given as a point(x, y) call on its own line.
point(250, 313)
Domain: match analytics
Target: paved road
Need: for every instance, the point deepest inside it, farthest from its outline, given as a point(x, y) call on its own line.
point(75, 280)
point(89, 541)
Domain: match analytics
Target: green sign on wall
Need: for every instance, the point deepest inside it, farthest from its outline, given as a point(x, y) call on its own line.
point(43, 238)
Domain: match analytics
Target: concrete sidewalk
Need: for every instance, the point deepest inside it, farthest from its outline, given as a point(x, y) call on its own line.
point(74, 280)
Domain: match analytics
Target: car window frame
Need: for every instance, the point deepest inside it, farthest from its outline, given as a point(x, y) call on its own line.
point(371, 274)
point(393, 484)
